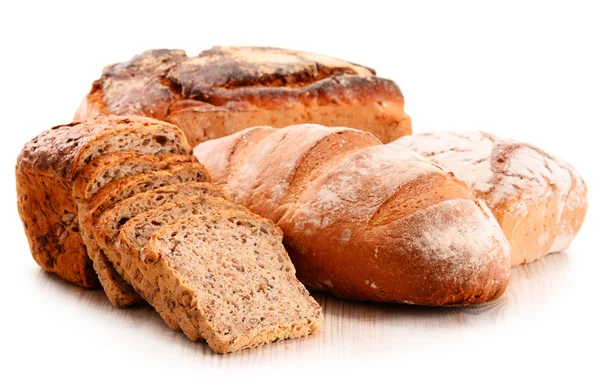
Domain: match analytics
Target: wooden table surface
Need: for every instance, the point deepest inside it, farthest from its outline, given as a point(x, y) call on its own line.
point(541, 321)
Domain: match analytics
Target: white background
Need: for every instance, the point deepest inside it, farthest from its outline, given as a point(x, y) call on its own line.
point(525, 70)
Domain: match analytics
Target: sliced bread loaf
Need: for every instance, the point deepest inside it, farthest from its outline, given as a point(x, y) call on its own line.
point(119, 292)
point(232, 281)
point(45, 173)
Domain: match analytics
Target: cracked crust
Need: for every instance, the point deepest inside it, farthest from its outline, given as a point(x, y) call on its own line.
point(539, 200)
point(45, 173)
point(345, 201)
point(227, 89)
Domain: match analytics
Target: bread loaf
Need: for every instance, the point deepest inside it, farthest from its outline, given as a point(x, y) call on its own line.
point(539, 200)
point(45, 173)
point(227, 89)
point(363, 220)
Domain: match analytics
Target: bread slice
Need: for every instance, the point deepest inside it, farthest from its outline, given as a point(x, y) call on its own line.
point(134, 235)
point(112, 166)
point(95, 175)
point(232, 279)
point(46, 171)
point(118, 291)
point(110, 222)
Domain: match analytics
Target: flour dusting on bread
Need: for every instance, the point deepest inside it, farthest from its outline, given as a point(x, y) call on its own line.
point(463, 242)
point(539, 199)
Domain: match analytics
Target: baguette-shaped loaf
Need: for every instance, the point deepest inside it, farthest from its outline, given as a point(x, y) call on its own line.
point(363, 220)
point(539, 200)
point(227, 89)
point(45, 173)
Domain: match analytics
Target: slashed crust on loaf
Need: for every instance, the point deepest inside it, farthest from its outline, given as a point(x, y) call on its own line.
point(352, 213)
point(227, 89)
point(539, 200)
point(46, 169)
point(237, 292)
point(118, 292)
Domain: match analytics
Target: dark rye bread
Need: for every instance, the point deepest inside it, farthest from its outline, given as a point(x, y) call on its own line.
point(109, 224)
point(112, 166)
point(118, 291)
point(47, 168)
point(227, 89)
point(237, 291)
point(134, 235)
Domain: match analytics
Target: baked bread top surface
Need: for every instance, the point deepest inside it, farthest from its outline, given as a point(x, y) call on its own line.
point(501, 171)
point(151, 82)
point(60, 149)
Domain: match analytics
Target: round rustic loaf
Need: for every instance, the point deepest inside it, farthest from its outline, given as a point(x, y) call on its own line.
point(539, 200)
point(227, 89)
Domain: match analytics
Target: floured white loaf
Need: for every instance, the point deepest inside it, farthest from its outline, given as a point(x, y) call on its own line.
point(363, 220)
point(539, 200)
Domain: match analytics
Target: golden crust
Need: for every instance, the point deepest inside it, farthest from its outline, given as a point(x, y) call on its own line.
point(45, 172)
point(363, 220)
point(539, 200)
point(227, 89)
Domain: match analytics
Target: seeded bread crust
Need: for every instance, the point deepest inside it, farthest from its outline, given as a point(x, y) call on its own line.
point(227, 89)
point(118, 291)
point(363, 220)
point(246, 301)
point(46, 169)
